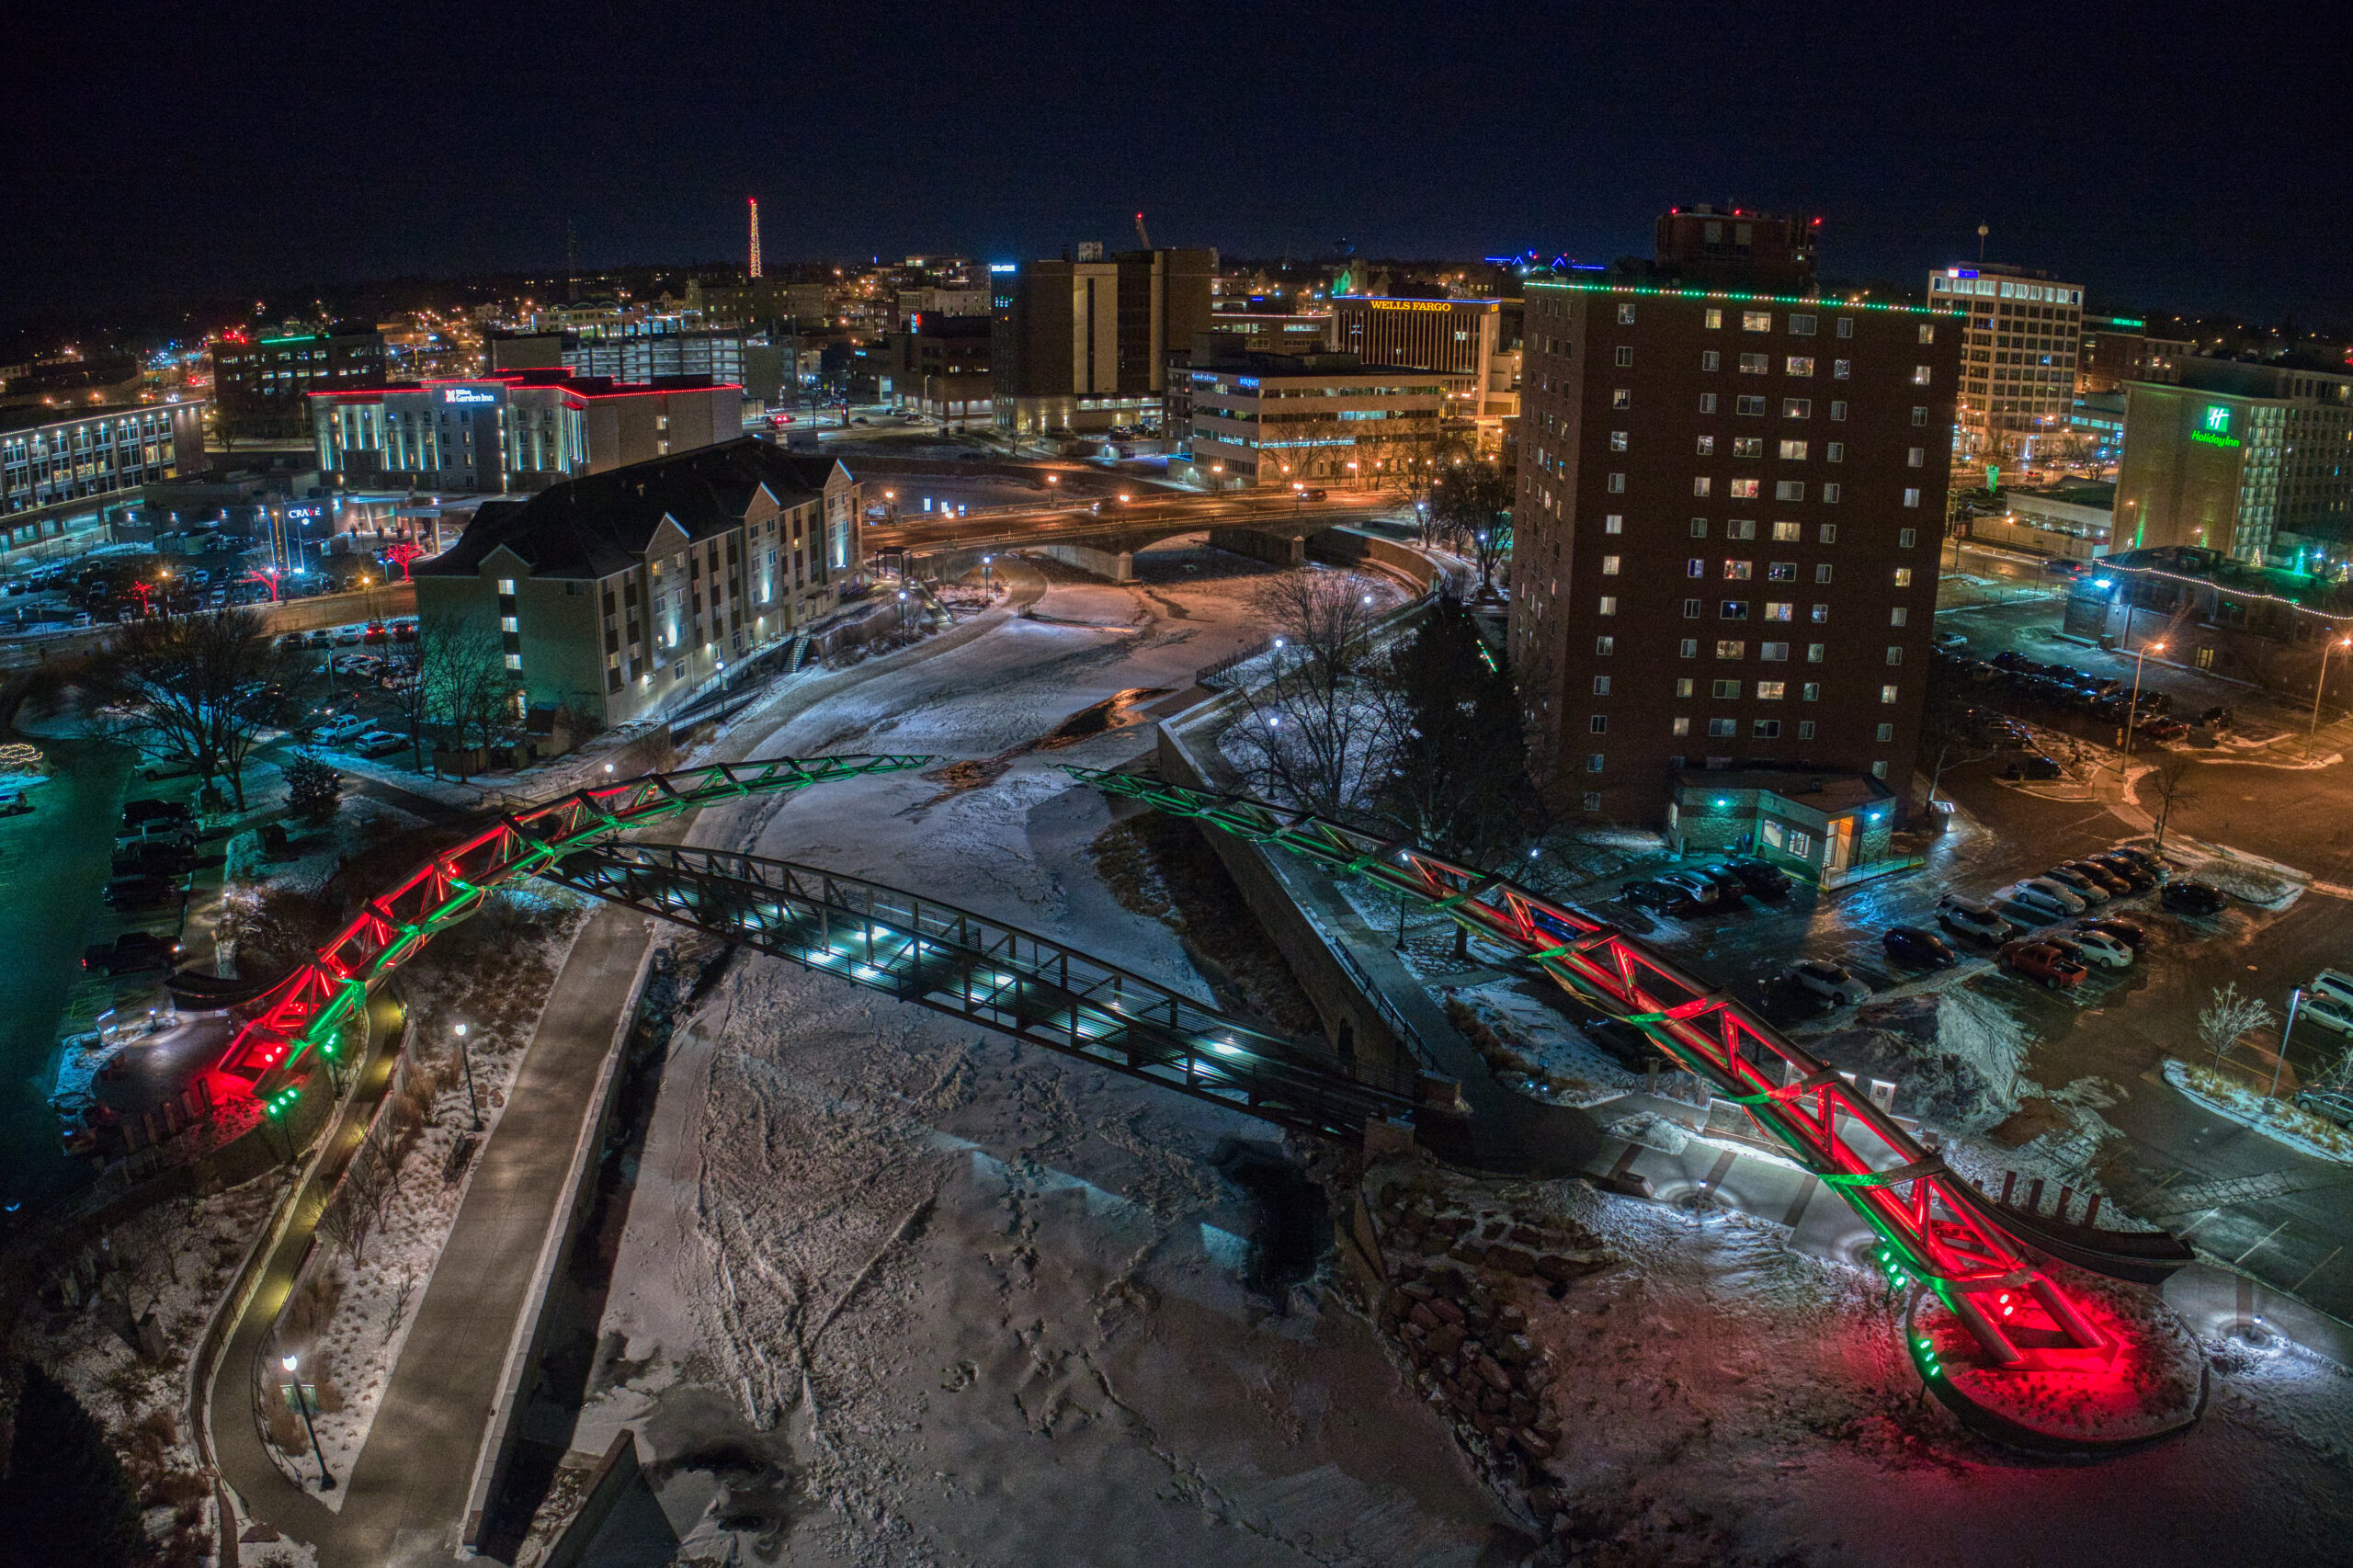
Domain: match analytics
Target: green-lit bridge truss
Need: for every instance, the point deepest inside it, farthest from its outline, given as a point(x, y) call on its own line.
point(999, 976)
point(305, 1011)
point(1933, 1226)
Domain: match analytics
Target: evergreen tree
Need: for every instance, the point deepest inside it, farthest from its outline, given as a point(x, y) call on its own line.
point(1459, 785)
point(312, 789)
point(66, 1503)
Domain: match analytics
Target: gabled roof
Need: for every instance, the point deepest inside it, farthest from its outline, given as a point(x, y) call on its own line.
point(594, 526)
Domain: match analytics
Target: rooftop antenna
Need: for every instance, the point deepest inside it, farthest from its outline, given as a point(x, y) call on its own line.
point(755, 235)
point(1140, 232)
point(1981, 233)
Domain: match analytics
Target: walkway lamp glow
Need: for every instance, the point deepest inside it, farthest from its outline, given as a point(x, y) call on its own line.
point(474, 1106)
point(327, 1477)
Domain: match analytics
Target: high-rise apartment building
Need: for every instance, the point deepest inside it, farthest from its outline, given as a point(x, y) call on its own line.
point(2255, 460)
point(1724, 551)
point(261, 387)
point(1082, 346)
point(2019, 373)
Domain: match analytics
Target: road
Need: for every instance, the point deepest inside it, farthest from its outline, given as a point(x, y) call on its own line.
point(294, 615)
point(1042, 525)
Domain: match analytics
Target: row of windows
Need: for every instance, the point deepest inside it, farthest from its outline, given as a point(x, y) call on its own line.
point(1799, 323)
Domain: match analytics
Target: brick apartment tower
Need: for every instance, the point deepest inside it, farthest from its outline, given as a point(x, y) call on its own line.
point(1731, 502)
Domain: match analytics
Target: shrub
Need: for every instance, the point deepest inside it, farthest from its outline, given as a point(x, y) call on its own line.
point(66, 1501)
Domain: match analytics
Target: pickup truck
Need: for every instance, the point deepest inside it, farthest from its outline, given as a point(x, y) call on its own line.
point(2042, 962)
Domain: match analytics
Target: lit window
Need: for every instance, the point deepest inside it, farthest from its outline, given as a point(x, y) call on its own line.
point(1743, 489)
point(1623, 397)
point(1609, 566)
point(1797, 408)
point(1927, 335)
point(1682, 726)
point(1756, 364)
point(1898, 616)
point(1605, 647)
point(1702, 485)
point(514, 660)
point(1914, 457)
point(1618, 443)
point(1625, 313)
point(1771, 690)
point(1835, 452)
point(506, 587)
point(1775, 609)
point(1714, 319)
point(1921, 374)
point(1609, 604)
point(1756, 321)
point(1707, 402)
point(1615, 523)
point(1903, 576)
point(1739, 571)
point(1820, 614)
point(1616, 484)
point(508, 624)
point(1786, 533)
point(1813, 655)
point(1706, 446)
point(1593, 761)
point(1887, 694)
point(1740, 528)
point(1830, 494)
point(1683, 685)
point(1730, 648)
point(1773, 652)
point(1788, 490)
point(1841, 369)
point(1793, 451)
point(1732, 610)
point(1798, 365)
point(1689, 649)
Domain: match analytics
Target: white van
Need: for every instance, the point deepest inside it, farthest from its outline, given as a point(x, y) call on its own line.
point(2335, 983)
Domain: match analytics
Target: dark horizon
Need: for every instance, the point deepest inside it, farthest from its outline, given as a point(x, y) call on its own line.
point(263, 155)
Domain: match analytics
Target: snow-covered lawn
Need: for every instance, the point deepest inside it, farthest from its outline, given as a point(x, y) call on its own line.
point(2279, 1121)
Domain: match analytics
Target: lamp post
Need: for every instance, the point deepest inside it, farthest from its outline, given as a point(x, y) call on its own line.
point(722, 691)
point(2133, 713)
point(2295, 1002)
point(2320, 686)
point(986, 563)
point(327, 1477)
point(465, 1058)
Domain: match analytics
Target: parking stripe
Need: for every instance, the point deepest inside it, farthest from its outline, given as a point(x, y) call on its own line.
point(2267, 1236)
point(2315, 1268)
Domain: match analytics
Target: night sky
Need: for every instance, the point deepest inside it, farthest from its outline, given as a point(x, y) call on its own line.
point(2167, 156)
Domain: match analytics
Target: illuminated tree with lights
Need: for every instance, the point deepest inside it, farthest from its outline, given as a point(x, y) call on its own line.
point(400, 554)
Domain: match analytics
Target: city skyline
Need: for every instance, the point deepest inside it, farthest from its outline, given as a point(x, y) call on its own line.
point(2131, 170)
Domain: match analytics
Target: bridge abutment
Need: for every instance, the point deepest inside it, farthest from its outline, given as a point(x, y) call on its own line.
point(1118, 565)
point(1276, 550)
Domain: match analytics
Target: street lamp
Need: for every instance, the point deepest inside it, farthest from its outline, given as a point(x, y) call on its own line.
point(722, 691)
point(2133, 713)
point(986, 561)
point(474, 1106)
point(2320, 686)
point(326, 1478)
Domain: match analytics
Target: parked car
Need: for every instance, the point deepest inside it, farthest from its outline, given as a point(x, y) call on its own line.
point(1659, 898)
point(137, 812)
point(2097, 947)
point(347, 636)
point(139, 892)
point(1759, 877)
point(379, 743)
point(2033, 767)
point(2124, 931)
point(2135, 877)
point(156, 830)
point(2331, 1012)
point(2190, 896)
point(345, 728)
point(1968, 918)
point(130, 953)
point(2084, 888)
point(1311, 494)
point(1910, 944)
point(2161, 729)
point(1704, 887)
point(2042, 893)
point(2147, 859)
point(1829, 981)
point(2041, 961)
point(14, 804)
point(2333, 983)
point(1950, 641)
point(2111, 883)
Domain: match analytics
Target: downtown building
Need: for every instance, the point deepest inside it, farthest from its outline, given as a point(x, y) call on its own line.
point(1477, 339)
point(2018, 386)
point(65, 470)
point(513, 431)
point(1258, 421)
point(1725, 559)
point(1082, 347)
point(261, 386)
point(623, 593)
point(2250, 461)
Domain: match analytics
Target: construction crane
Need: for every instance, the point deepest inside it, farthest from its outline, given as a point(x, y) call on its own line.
point(1140, 234)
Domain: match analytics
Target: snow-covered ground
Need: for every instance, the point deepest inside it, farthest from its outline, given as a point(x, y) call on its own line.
point(894, 1289)
point(908, 1292)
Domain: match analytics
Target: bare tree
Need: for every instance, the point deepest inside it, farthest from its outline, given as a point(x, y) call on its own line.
point(2228, 1017)
point(468, 691)
point(1407, 461)
point(2168, 779)
point(1315, 733)
point(197, 690)
point(1471, 504)
point(362, 1202)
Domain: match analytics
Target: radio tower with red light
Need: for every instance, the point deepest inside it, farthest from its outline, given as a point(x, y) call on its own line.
point(755, 235)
